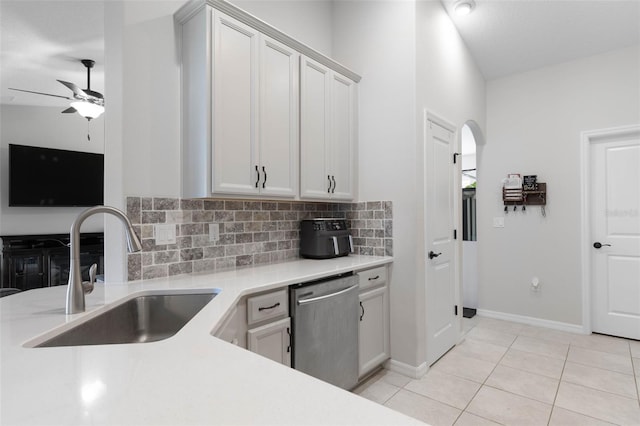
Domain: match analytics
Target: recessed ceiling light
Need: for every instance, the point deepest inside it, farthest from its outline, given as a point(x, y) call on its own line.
point(464, 7)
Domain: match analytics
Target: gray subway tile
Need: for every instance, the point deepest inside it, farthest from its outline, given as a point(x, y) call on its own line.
point(134, 266)
point(153, 217)
point(213, 205)
point(233, 205)
point(166, 204)
point(154, 271)
point(191, 254)
point(134, 209)
point(180, 268)
point(190, 204)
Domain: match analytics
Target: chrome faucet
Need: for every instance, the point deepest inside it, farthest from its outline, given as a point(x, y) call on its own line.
point(77, 288)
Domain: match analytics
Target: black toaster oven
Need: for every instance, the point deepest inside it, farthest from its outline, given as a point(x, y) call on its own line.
point(325, 238)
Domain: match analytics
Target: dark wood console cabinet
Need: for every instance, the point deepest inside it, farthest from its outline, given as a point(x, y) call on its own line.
point(35, 261)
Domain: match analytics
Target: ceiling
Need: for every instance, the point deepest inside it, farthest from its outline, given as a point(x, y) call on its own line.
point(512, 36)
point(42, 41)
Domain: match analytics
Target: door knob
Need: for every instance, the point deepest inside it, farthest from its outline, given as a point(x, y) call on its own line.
point(432, 254)
point(598, 245)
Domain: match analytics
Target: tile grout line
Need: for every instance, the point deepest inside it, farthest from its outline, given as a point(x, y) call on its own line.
point(555, 397)
point(512, 393)
point(483, 383)
point(635, 377)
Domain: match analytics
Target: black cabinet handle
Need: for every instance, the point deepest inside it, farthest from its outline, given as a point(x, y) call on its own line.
point(374, 278)
point(264, 182)
point(600, 245)
point(258, 176)
point(334, 184)
point(432, 254)
point(362, 307)
point(261, 308)
point(329, 189)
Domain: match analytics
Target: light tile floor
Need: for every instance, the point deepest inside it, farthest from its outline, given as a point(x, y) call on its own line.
point(514, 374)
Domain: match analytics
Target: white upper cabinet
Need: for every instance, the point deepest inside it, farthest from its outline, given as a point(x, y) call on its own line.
point(255, 112)
point(327, 133)
point(278, 118)
point(315, 86)
point(235, 91)
point(241, 117)
point(343, 93)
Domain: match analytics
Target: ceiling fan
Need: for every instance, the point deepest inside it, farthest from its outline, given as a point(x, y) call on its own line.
point(86, 102)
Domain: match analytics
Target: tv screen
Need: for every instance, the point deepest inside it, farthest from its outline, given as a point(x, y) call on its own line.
point(48, 177)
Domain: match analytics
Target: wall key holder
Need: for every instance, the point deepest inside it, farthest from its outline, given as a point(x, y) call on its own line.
point(525, 197)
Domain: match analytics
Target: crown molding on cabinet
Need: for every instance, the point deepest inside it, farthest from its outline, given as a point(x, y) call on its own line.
point(192, 7)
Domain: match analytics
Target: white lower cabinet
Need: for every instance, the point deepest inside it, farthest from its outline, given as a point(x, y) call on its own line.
point(373, 336)
point(269, 324)
point(261, 323)
point(272, 341)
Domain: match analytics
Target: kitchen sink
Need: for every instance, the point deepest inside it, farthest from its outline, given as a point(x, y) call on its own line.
point(145, 318)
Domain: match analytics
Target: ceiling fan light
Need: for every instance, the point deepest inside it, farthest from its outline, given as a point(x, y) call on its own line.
point(464, 7)
point(87, 109)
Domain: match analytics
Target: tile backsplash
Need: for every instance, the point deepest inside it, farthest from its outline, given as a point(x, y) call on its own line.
point(250, 232)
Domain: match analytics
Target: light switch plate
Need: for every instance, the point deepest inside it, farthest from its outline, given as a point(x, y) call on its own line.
point(165, 234)
point(498, 222)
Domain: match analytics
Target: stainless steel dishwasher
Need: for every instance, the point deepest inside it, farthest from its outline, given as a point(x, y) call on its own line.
point(325, 329)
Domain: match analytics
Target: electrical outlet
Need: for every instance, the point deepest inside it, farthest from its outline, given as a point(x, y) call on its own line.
point(498, 222)
point(214, 232)
point(165, 234)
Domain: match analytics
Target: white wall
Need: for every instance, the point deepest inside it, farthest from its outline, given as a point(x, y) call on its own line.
point(44, 127)
point(151, 99)
point(377, 40)
point(410, 57)
point(308, 21)
point(534, 121)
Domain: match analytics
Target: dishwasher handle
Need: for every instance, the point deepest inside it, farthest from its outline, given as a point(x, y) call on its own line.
point(326, 296)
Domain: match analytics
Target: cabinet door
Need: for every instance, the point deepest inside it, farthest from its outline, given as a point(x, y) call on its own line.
point(272, 341)
point(315, 114)
point(342, 136)
point(235, 85)
point(278, 118)
point(373, 338)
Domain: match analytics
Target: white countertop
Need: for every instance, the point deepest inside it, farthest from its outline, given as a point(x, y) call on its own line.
point(190, 378)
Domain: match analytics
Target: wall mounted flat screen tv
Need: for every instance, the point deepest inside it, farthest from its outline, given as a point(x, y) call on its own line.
point(45, 177)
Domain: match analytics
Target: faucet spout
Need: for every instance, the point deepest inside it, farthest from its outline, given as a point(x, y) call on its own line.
point(75, 289)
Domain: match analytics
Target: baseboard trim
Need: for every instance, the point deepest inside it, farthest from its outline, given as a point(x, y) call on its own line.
point(406, 369)
point(538, 322)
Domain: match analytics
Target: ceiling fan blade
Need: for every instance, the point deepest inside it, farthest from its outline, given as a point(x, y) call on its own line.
point(96, 95)
point(40, 93)
point(69, 110)
point(75, 89)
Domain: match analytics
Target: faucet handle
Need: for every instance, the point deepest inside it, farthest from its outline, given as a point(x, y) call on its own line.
point(87, 286)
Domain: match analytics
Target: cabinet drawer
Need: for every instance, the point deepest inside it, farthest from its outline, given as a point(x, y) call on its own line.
point(372, 277)
point(267, 306)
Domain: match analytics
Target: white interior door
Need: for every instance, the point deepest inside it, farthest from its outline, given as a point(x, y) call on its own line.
point(615, 225)
point(440, 267)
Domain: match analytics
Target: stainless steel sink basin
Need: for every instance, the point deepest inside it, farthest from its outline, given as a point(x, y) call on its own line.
point(147, 318)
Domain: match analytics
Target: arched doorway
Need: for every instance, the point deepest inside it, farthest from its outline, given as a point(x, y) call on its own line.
point(470, 137)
